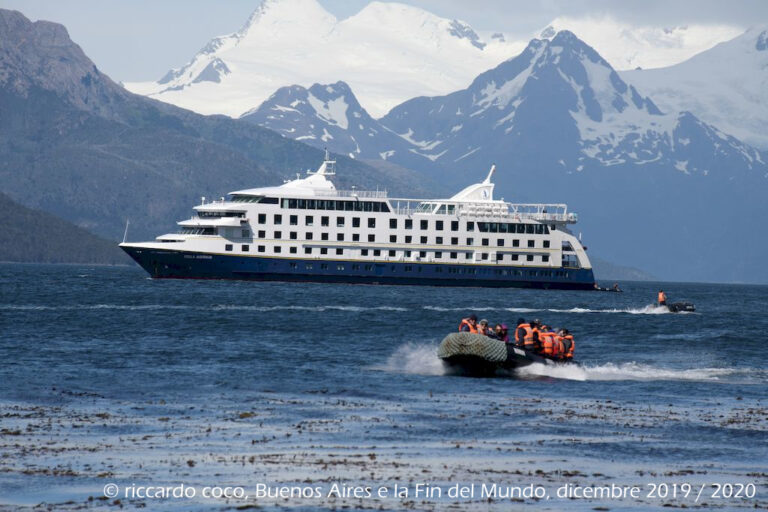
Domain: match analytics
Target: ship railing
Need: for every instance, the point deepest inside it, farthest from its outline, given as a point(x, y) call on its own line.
point(374, 194)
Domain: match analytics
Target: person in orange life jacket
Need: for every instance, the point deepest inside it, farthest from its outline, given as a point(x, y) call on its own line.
point(520, 331)
point(558, 345)
point(662, 298)
point(532, 340)
point(568, 344)
point(546, 338)
point(469, 324)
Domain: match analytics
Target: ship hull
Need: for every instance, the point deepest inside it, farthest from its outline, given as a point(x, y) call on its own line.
point(174, 264)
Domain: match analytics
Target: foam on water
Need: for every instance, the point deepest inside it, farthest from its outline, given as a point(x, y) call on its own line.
point(650, 309)
point(628, 371)
point(419, 359)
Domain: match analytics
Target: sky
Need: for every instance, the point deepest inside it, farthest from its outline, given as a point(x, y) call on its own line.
point(141, 40)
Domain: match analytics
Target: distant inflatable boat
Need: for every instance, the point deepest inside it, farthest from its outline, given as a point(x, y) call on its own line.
point(681, 307)
point(464, 353)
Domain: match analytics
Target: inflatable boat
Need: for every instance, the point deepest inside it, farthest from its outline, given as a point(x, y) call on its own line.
point(464, 353)
point(681, 307)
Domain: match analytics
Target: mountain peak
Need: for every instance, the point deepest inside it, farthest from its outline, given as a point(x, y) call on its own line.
point(276, 14)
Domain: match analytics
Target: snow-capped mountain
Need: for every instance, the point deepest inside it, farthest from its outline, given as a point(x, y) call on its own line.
point(329, 116)
point(561, 103)
point(387, 52)
point(627, 46)
point(726, 86)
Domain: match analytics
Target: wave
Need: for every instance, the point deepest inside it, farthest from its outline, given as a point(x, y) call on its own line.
point(628, 371)
point(215, 307)
point(650, 309)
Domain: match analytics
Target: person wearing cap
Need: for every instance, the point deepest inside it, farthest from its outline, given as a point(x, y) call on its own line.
point(483, 327)
point(502, 332)
point(469, 324)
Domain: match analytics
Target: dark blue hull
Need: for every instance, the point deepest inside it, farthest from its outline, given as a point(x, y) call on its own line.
point(162, 263)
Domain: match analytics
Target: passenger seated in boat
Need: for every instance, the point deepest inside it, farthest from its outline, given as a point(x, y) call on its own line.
point(502, 332)
point(483, 328)
point(469, 324)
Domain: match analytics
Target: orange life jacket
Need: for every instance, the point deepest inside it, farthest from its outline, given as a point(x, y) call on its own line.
point(547, 342)
point(531, 340)
point(519, 336)
point(472, 328)
point(662, 297)
point(569, 353)
point(558, 347)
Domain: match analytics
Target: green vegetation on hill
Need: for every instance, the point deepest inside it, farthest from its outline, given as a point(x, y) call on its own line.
point(32, 236)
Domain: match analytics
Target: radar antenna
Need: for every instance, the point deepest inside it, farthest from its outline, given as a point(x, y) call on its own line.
point(328, 167)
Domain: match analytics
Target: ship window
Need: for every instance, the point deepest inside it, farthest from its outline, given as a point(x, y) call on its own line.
point(424, 224)
point(371, 238)
point(355, 267)
point(470, 241)
point(408, 223)
point(454, 255)
point(227, 247)
point(438, 254)
point(454, 225)
point(470, 226)
point(294, 235)
point(376, 252)
point(294, 220)
point(407, 254)
point(392, 254)
point(302, 204)
point(278, 234)
point(467, 255)
point(278, 249)
point(311, 204)
point(340, 222)
point(500, 242)
point(278, 219)
point(262, 218)
point(521, 228)
point(323, 266)
point(439, 240)
point(339, 237)
point(293, 265)
point(269, 200)
point(308, 266)
point(392, 223)
point(356, 237)
point(516, 243)
point(515, 257)
point(324, 221)
point(531, 243)
point(261, 248)
point(323, 236)
point(408, 239)
point(499, 257)
point(503, 227)
point(485, 241)
point(307, 250)
point(246, 233)
point(343, 205)
point(545, 258)
point(371, 222)
point(441, 210)
point(309, 220)
point(553, 227)
point(455, 240)
point(539, 229)
point(292, 203)
point(422, 254)
point(357, 206)
point(439, 225)
point(393, 238)
point(339, 251)
point(308, 235)
point(484, 256)
point(355, 222)
point(546, 244)
point(293, 250)
point(363, 252)
point(323, 250)
point(529, 257)
point(384, 207)
point(423, 240)
point(529, 229)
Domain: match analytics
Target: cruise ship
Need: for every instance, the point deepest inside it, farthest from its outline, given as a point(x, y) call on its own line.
point(308, 230)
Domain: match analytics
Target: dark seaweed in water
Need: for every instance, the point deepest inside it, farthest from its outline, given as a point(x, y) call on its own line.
point(108, 376)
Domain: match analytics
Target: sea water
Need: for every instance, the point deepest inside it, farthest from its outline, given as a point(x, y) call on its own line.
point(316, 396)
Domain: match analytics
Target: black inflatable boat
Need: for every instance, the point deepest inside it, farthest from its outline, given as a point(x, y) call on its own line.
point(464, 353)
point(681, 307)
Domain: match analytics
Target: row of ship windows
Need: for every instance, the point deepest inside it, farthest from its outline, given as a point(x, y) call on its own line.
point(449, 270)
point(407, 239)
point(393, 253)
point(483, 227)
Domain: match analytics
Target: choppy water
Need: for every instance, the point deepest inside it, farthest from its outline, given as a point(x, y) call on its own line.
point(110, 377)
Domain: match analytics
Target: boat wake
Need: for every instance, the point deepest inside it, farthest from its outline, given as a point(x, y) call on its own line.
point(650, 309)
point(627, 371)
point(417, 359)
